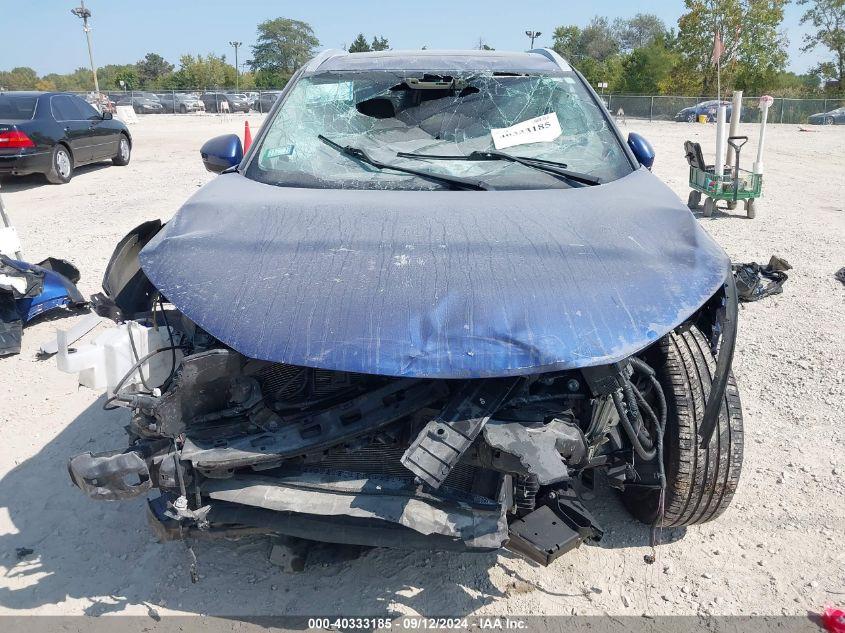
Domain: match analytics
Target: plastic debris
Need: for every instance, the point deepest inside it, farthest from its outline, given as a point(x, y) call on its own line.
point(833, 619)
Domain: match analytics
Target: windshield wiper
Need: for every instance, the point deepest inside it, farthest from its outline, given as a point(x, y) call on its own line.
point(549, 166)
point(359, 154)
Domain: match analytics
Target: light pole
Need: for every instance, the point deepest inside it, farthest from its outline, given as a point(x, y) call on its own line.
point(533, 35)
point(82, 12)
point(237, 72)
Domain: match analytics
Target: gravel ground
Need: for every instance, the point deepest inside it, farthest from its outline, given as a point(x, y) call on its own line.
point(779, 549)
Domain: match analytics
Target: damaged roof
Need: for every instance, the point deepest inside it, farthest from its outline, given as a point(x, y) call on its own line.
point(537, 61)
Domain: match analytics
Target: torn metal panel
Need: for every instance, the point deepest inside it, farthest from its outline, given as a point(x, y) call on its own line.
point(105, 477)
point(29, 290)
point(543, 450)
point(11, 325)
point(309, 433)
point(436, 284)
point(230, 520)
point(382, 499)
point(443, 441)
point(124, 282)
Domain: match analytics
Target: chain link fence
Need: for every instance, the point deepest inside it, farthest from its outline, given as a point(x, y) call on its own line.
point(647, 107)
point(184, 101)
point(670, 108)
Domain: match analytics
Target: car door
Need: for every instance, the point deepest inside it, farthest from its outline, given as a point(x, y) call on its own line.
point(102, 133)
point(77, 130)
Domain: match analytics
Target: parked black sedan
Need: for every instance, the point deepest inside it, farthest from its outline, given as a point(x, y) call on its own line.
point(834, 117)
point(53, 133)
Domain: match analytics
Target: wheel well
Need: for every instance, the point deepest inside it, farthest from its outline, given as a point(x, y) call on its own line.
point(67, 147)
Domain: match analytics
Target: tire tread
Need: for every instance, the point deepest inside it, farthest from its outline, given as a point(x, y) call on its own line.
point(700, 482)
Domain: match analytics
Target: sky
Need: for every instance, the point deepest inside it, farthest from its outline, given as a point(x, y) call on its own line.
point(43, 35)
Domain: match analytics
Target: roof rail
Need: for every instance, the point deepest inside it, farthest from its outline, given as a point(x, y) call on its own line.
point(322, 57)
point(552, 56)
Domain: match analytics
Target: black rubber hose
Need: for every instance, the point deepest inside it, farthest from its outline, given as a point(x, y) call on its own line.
point(646, 454)
point(634, 414)
point(659, 422)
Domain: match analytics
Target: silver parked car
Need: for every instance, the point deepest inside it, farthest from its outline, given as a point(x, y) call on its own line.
point(180, 102)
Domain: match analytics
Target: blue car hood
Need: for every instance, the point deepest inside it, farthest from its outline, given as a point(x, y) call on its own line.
point(446, 284)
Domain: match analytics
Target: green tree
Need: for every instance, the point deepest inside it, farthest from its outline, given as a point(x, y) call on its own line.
point(270, 80)
point(755, 49)
point(110, 76)
point(566, 41)
point(828, 19)
point(153, 69)
point(638, 31)
point(647, 69)
point(379, 44)
point(596, 41)
point(788, 84)
point(594, 50)
point(761, 54)
point(209, 71)
point(79, 80)
point(283, 46)
point(608, 70)
point(359, 45)
point(20, 78)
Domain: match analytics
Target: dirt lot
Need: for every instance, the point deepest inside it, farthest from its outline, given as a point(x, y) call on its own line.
point(779, 549)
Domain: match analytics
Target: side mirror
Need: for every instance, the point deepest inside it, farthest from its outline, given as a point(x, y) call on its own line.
point(222, 152)
point(643, 151)
point(107, 116)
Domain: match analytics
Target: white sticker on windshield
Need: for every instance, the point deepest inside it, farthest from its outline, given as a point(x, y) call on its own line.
point(541, 129)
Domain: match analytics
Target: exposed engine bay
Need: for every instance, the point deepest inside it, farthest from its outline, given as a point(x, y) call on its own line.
point(241, 445)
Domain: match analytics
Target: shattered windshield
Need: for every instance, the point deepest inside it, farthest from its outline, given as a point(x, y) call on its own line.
point(547, 117)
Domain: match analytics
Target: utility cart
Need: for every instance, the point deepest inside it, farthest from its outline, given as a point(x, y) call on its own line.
point(738, 185)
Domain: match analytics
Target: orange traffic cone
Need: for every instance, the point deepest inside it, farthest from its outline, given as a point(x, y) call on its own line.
point(247, 136)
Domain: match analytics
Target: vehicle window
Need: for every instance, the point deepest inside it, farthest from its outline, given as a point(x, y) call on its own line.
point(64, 109)
point(17, 107)
point(385, 113)
point(86, 109)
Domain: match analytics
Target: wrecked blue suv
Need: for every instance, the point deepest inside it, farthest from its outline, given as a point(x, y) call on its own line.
point(438, 297)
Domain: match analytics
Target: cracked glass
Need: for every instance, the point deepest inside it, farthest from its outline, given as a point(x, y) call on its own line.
point(384, 113)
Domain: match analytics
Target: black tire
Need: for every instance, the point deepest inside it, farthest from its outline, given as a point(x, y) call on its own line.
point(830, 121)
point(124, 152)
point(691, 118)
point(183, 109)
point(700, 483)
point(694, 200)
point(61, 166)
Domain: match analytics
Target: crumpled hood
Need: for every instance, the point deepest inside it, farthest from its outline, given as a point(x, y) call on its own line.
point(445, 284)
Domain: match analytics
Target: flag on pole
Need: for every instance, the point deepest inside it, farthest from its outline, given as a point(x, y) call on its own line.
point(718, 49)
